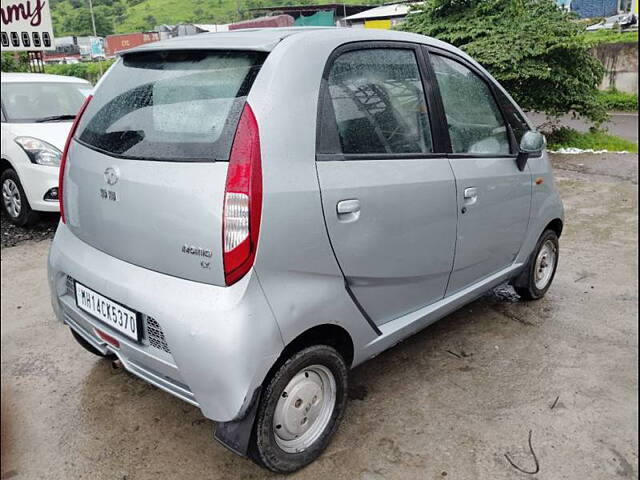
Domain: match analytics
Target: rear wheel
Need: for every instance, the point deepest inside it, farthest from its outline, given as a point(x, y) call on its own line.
point(14, 202)
point(541, 268)
point(88, 347)
point(300, 409)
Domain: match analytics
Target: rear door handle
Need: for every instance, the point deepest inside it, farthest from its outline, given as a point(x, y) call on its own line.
point(348, 210)
point(470, 195)
point(348, 206)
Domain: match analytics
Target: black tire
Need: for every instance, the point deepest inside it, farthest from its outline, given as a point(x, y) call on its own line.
point(526, 286)
point(88, 347)
point(264, 449)
point(26, 216)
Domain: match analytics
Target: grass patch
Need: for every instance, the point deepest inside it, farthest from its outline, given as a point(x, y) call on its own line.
point(598, 37)
point(88, 70)
point(614, 100)
point(593, 139)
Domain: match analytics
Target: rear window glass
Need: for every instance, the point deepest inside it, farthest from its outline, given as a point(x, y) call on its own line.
point(172, 106)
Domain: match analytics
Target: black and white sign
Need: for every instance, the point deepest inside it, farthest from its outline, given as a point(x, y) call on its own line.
point(113, 314)
point(26, 26)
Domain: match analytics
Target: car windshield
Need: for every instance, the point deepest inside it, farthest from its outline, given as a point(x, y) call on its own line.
point(43, 101)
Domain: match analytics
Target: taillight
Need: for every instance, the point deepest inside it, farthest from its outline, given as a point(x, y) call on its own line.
point(242, 200)
point(65, 152)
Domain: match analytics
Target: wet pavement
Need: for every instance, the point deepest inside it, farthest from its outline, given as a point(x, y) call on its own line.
point(450, 402)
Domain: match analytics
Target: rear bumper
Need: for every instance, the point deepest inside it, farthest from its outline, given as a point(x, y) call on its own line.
point(221, 341)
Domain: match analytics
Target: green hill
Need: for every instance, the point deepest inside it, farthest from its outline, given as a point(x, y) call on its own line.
point(171, 12)
point(71, 17)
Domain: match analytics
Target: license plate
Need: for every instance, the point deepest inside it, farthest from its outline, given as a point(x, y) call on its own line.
point(113, 314)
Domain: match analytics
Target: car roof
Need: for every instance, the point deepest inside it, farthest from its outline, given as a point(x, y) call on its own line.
point(38, 77)
point(266, 39)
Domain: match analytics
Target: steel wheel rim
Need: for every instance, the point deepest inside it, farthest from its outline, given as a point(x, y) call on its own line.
point(11, 198)
point(304, 408)
point(545, 264)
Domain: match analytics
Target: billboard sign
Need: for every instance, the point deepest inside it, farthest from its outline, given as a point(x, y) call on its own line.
point(26, 26)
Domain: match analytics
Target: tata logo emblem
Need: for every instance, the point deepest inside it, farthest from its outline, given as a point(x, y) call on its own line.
point(111, 175)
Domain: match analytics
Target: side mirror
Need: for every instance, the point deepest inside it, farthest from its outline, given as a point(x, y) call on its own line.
point(532, 142)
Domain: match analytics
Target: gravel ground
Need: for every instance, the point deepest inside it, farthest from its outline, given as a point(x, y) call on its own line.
point(43, 230)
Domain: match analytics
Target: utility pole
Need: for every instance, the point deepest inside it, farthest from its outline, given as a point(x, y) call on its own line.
point(95, 33)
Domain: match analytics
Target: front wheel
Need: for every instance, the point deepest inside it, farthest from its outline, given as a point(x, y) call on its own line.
point(300, 409)
point(541, 268)
point(14, 201)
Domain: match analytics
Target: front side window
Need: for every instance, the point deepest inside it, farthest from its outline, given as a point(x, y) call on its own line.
point(475, 123)
point(516, 120)
point(379, 102)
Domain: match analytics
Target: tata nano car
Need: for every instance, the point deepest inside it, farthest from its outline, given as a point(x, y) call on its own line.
point(245, 216)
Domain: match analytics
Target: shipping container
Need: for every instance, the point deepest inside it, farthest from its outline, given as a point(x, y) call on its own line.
point(118, 43)
point(264, 22)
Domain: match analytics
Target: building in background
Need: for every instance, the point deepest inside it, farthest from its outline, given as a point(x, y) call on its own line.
point(594, 8)
point(213, 27)
point(264, 22)
point(326, 15)
point(73, 49)
point(164, 31)
point(185, 29)
point(384, 17)
point(599, 8)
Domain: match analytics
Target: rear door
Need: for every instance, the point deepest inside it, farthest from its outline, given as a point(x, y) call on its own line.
point(493, 195)
point(146, 172)
point(388, 195)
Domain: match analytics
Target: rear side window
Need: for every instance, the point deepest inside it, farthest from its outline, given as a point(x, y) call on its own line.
point(379, 103)
point(172, 106)
point(475, 122)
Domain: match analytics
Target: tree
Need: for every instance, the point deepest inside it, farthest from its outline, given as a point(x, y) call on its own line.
point(531, 47)
point(151, 21)
point(77, 21)
point(14, 62)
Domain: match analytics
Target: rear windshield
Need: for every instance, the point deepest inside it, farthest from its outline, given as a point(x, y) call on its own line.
point(172, 106)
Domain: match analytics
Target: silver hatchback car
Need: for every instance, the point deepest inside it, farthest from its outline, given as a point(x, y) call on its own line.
point(245, 216)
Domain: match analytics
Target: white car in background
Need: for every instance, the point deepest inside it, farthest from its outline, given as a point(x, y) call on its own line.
point(37, 113)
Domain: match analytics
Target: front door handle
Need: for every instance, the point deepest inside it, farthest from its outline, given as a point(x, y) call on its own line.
point(348, 210)
point(470, 195)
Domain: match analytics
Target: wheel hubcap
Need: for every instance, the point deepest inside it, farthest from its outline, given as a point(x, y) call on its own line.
point(11, 198)
point(545, 264)
point(304, 408)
